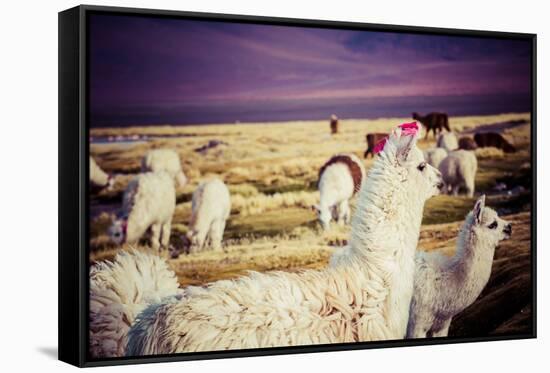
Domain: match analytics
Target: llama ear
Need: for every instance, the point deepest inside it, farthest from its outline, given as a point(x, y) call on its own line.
point(404, 150)
point(478, 209)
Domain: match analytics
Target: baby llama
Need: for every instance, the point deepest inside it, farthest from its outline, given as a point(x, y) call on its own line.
point(211, 206)
point(98, 177)
point(459, 169)
point(365, 300)
point(443, 286)
point(149, 201)
point(339, 179)
point(166, 160)
point(119, 291)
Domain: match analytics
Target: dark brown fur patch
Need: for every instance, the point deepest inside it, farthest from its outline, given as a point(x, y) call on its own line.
point(493, 139)
point(467, 143)
point(353, 167)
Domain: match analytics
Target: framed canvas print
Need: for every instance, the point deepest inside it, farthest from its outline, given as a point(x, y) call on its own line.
point(233, 186)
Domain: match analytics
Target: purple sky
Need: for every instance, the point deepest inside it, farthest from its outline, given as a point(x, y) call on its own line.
point(145, 65)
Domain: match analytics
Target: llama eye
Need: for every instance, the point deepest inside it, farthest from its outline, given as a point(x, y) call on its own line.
point(493, 225)
point(421, 166)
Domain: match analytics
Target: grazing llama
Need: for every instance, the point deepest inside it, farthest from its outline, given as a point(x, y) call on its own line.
point(98, 177)
point(211, 206)
point(459, 169)
point(447, 141)
point(434, 156)
point(167, 160)
point(435, 122)
point(495, 140)
point(445, 286)
point(119, 291)
point(149, 201)
point(339, 180)
point(365, 300)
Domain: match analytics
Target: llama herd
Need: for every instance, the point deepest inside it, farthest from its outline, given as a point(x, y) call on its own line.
point(378, 287)
point(149, 202)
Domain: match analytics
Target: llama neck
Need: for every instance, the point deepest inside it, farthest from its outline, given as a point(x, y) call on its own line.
point(385, 231)
point(473, 255)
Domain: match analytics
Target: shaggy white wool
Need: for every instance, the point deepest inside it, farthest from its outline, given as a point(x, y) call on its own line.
point(336, 188)
point(434, 156)
point(447, 141)
point(167, 160)
point(119, 291)
point(445, 286)
point(98, 177)
point(366, 299)
point(459, 169)
point(211, 206)
point(149, 201)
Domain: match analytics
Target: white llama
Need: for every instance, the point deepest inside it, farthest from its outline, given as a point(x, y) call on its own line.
point(459, 169)
point(98, 177)
point(447, 141)
point(445, 286)
point(149, 201)
point(119, 291)
point(366, 300)
point(339, 179)
point(435, 156)
point(167, 160)
point(211, 206)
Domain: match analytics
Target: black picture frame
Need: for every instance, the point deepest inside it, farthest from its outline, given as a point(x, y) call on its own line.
point(73, 165)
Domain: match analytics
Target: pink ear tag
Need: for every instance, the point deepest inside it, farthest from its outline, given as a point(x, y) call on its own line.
point(409, 129)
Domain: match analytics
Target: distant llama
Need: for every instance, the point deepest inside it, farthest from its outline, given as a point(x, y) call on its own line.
point(435, 122)
point(167, 160)
point(459, 169)
point(340, 179)
point(467, 143)
point(149, 201)
point(372, 140)
point(366, 300)
point(211, 206)
point(334, 124)
point(495, 140)
point(98, 177)
point(119, 291)
point(445, 286)
point(435, 156)
point(447, 141)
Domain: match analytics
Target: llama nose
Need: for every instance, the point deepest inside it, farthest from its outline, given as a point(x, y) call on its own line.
point(508, 229)
point(440, 184)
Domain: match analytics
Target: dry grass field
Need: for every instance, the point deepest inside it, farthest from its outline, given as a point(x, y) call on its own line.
point(271, 170)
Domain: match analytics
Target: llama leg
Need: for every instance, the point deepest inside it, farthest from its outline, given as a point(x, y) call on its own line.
point(216, 234)
point(201, 239)
point(456, 188)
point(155, 236)
point(343, 213)
point(470, 187)
point(442, 328)
point(165, 240)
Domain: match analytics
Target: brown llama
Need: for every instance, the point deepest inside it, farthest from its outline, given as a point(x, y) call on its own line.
point(493, 139)
point(434, 122)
